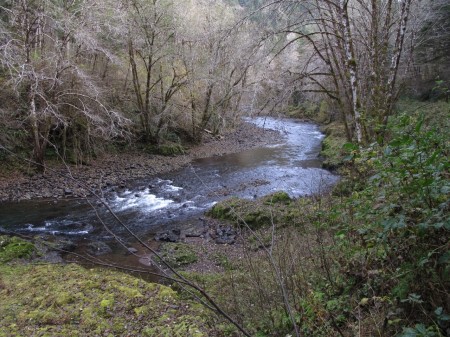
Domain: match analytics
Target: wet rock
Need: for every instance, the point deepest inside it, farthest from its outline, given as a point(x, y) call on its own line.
point(224, 235)
point(62, 244)
point(195, 230)
point(51, 257)
point(98, 248)
point(131, 250)
point(172, 235)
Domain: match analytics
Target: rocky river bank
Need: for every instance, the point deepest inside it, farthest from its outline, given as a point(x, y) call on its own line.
point(61, 181)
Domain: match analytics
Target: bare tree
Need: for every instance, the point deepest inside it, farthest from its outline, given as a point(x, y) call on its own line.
point(147, 32)
point(42, 52)
point(217, 52)
point(353, 49)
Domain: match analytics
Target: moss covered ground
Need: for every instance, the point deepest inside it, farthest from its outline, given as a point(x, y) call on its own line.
point(69, 300)
point(14, 248)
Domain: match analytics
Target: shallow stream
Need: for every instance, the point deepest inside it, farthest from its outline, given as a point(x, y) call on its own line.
point(178, 199)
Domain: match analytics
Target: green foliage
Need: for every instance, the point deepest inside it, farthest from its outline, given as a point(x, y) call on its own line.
point(305, 110)
point(419, 331)
point(225, 210)
point(399, 221)
point(333, 150)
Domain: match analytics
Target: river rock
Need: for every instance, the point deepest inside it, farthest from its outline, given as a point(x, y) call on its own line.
point(62, 244)
point(172, 235)
point(224, 235)
point(98, 248)
point(51, 257)
point(131, 250)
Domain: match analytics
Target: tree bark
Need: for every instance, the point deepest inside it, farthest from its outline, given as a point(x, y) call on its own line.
point(352, 70)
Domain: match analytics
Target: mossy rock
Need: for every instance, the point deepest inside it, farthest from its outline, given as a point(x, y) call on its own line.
point(261, 217)
point(332, 150)
point(12, 247)
point(245, 213)
point(279, 197)
point(68, 300)
point(178, 254)
point(225, 210)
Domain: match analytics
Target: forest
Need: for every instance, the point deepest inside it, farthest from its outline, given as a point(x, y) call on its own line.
point(87, 81)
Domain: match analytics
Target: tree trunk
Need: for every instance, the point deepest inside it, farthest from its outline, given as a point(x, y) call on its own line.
point(351, 67)
point(38, 147)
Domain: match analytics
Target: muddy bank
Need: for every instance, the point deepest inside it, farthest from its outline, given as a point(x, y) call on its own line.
point(118, 169)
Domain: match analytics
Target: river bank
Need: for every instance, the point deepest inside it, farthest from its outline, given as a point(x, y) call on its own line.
point(61, 181)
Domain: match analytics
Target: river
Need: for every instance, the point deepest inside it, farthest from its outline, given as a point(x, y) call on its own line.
point(178, 199)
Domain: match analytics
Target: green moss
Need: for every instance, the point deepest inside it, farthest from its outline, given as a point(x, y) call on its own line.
point(178, 254)
point(225, 210)
point(60, 300)
point(258, 218)
point(170, 149)
point(279, 197)
point(332, 150)
point(272, 209)
point(130, 292)
point(221, 260)
point(105, 305)
point(260, 240)
point(64, 298)
point(324, 114)
point(241, 211)
point(14, 248)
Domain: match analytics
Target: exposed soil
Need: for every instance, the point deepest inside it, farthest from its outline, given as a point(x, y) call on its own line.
point(61, 181)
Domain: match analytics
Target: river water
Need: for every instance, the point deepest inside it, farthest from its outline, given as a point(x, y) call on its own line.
point(178, 199)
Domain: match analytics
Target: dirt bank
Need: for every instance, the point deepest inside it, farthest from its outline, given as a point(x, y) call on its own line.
point(75, 181)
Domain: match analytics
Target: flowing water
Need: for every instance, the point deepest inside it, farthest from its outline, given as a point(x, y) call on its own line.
point(178, 199)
